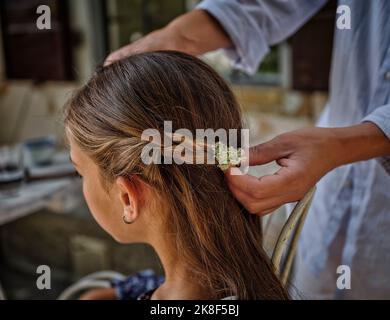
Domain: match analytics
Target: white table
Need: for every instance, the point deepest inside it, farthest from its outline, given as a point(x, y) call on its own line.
point(60, 195)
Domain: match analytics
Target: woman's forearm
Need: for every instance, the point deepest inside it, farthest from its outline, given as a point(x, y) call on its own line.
point(198, 32)
point(360, 142)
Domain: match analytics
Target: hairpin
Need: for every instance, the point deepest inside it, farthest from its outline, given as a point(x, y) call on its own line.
point(227, 156)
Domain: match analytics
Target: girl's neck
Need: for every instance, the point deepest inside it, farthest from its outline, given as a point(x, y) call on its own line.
point(180, 290)
point(179, 284)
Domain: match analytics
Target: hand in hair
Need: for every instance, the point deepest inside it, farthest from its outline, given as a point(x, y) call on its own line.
point(194, 33)
point(305, 156)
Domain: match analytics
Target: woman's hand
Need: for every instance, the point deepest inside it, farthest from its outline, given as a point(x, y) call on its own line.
point(195, 32)
point(305, 156)
point(163, 39)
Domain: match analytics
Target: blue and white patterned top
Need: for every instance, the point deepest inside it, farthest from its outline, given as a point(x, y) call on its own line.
point(137, 286)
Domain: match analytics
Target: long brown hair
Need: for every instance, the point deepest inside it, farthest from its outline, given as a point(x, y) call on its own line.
point(218, 239)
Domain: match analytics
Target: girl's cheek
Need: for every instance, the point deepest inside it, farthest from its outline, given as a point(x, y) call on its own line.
point(88, 197)
point(85, 192)
point(96, 200)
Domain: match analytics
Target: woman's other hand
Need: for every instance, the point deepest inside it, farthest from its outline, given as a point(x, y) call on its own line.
point(195, 33)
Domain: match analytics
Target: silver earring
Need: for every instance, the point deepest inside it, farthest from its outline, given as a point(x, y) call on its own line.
point(127, 221)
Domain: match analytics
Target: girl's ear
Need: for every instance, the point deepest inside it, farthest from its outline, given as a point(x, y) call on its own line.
point(130, 199)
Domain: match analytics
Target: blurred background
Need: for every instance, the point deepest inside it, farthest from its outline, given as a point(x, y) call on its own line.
point(43, 218)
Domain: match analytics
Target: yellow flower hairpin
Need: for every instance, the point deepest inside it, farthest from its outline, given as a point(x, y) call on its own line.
point(227, 156)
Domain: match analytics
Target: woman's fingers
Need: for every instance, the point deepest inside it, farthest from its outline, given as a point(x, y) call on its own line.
point(118, 54)
point(254, 205)
point(263, 195)
point(304, 155)
point(268, 186)
point(263, 213)
point(267, 152)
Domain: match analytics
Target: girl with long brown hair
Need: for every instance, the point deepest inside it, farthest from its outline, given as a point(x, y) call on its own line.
point(209, 245)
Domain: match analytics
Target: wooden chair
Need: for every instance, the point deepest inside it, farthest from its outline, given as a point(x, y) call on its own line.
point(287, 242)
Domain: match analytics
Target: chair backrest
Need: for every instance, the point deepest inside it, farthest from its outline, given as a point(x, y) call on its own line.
point(100, 279)
point(286, 244)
